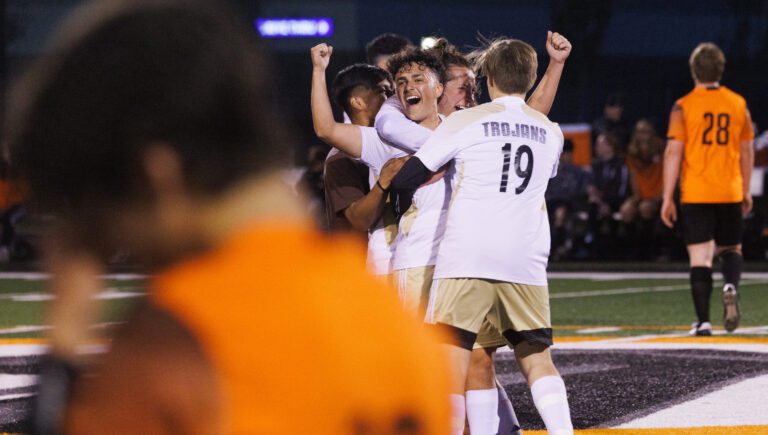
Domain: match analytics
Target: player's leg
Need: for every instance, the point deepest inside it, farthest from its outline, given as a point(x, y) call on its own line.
point(547, 387)
point(483, 410)
point(729, 226)
point(698, 231)
point(459, 306)
point(523, 314)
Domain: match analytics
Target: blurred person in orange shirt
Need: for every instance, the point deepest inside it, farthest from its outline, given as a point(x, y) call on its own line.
point(145, 129)
point(710, 133)
point(640, 211)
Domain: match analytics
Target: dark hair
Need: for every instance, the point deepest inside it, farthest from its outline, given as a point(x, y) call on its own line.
point(510, 63)
point(448, 54)
point(386, 44)
point(419, 57)
point(707, 63)
point(615, 100)
point(359, 74)
point(167, 72)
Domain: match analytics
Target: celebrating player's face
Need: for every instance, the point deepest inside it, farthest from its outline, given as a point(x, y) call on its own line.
point(418, 90)
point(459, 90)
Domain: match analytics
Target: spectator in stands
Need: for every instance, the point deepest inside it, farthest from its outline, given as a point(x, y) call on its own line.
point(607, 192)
point(640, 210)
point(566, 197)
point(613, 121)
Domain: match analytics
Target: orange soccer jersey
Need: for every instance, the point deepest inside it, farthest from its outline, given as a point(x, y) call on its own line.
point(711, 122)
point(304, 341)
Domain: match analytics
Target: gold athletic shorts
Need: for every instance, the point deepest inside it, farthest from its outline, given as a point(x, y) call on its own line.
point(519, 311)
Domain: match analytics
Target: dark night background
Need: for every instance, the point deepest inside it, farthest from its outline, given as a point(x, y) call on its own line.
point(639, 48)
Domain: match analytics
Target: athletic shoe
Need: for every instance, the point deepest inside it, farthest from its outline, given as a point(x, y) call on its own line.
point(703, 329)
point(731, 314)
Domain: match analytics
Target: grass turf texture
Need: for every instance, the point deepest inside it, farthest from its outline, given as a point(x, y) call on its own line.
point(15, 313)
point(660, 304)
point(655, 306)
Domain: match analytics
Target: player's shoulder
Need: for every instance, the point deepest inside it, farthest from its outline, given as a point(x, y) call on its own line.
point(542, 119)
point(462, 119)
point(733, 96)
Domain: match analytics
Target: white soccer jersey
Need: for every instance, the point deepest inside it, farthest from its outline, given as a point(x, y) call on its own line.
point(397, 129)
point(422, 227)
point(504, 155)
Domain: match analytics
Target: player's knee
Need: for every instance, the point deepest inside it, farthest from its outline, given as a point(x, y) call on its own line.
point(720, 250)
point(481, 374)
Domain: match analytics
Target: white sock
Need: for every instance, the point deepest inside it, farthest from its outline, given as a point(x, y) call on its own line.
point(458, 414)
point(551, 400)
point(483, 411)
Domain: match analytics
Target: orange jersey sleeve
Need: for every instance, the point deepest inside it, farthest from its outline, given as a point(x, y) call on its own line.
point(676, 129)
point(711, 122)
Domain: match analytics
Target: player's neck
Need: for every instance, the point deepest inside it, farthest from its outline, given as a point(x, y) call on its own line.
point(265, 197)
point(699, 84)
point(498, 94)
point(431, 122)
point(362, 119)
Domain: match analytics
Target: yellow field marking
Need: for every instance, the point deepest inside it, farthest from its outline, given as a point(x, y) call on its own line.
point(580, 338)
point(708, 340)
point(635, 327)
point(709, 430)
point(22, 341)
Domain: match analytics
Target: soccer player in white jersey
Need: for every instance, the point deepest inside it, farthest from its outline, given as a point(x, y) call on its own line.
point(492, 259)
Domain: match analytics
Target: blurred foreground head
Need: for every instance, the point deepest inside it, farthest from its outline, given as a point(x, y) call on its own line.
point(141, 106)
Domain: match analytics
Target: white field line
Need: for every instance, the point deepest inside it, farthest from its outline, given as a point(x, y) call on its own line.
point(615, 276)
point(17, 381)
point(23, 328)
point(40, 276)
point(22, 349)
point(110, 293)
point(15, 396)
point(631, 290)
point(739, 404)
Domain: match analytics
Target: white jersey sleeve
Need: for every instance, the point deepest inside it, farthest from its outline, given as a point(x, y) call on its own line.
point(374, 151)
point(394, 127)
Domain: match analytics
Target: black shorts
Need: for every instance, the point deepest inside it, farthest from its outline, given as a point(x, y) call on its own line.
point(704, 222)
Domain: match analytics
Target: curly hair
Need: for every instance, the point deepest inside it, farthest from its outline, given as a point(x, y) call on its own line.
point(420, 57)
point(386, 44)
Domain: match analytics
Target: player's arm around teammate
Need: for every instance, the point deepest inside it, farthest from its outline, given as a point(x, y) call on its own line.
point(364, 213)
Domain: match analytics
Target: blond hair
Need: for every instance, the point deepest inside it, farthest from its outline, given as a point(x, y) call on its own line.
point(510, 63)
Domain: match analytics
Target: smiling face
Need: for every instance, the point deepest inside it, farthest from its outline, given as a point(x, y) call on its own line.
point(460, 88)
point(418, 90)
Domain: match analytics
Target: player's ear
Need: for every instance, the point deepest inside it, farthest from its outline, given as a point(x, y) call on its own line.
point(439, 88)
point(357, 103)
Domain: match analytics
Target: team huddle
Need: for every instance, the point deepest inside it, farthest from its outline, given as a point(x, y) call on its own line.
point(466, 184)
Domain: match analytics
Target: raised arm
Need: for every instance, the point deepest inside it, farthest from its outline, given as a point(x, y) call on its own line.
point(394, 127)
point(558, 48)
point(345, 137)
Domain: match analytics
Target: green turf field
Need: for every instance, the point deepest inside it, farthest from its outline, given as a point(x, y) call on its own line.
point(658, 304)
